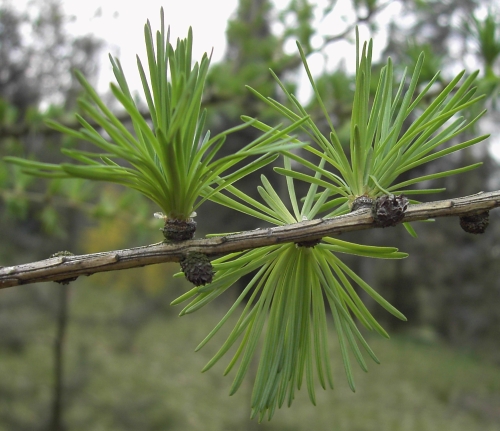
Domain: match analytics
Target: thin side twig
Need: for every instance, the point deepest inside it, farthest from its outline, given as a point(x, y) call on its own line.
point(66, 268)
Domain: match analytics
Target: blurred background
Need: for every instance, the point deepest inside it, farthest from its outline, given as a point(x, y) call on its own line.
point(108, 352)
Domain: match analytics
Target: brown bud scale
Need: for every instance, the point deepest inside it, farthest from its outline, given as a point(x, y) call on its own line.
point(179, 230)
point(309, 244)
point(197, 268)
point(389, 210)
point(475, 223)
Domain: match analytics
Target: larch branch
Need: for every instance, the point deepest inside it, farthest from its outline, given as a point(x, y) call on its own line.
point(67, 268)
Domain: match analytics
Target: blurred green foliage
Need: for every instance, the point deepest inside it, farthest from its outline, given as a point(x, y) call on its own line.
point(123, 376)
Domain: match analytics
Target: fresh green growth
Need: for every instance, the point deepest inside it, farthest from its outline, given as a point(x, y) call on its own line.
point(293, 283)
point(173, 162)
point(287, 300)
point(382, 146)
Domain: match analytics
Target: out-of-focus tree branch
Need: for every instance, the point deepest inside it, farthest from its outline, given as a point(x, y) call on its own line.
point(22, 129)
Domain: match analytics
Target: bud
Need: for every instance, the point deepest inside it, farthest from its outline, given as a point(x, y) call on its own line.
point(309, 243)
point(475, 223)
point(197, 268)
point(389, 210)
point(179, 230)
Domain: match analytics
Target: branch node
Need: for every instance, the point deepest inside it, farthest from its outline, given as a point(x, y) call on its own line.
point(308, 243)
point(197, 268)
point(362, 202)
point(475, 223)
point(62, 255)
point(179, 230)
point(389, 210)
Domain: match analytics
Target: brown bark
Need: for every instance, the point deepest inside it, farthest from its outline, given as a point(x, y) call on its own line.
point(65, 268)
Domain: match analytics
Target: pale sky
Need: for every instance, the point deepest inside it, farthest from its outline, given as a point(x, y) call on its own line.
point(121, 24)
